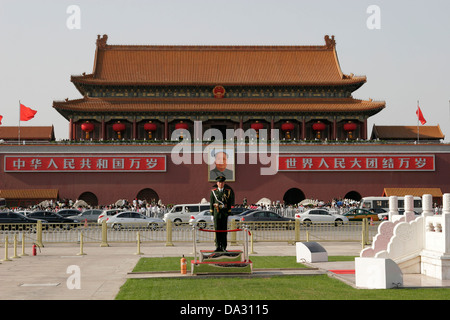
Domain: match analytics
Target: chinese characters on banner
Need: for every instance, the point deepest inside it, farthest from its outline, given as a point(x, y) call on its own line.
point(77, 163)
point(385, 162)
point(158, 163)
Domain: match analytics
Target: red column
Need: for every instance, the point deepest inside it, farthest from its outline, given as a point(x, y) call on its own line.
point(364, 133)
point(166, 129)
point(303, 129)
point(334, 130)
point(70, 129)
point(103, 131)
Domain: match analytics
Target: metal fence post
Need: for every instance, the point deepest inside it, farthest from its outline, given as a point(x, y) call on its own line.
point(138, 240)
point(39, 234)
point(23, 245)
point(169, 233)
point(367, 231)
point(104, 235)
point(15, 247)
point(363, 232)
point(6, 250)
point(81, 245)
point(297, 230)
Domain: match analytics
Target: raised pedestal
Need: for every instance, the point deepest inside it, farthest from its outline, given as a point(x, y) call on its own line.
point(228, 262)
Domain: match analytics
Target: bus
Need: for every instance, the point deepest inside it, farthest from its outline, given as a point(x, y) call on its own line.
point(378, 204)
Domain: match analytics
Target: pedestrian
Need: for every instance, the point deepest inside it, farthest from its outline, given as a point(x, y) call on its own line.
point(221, 201)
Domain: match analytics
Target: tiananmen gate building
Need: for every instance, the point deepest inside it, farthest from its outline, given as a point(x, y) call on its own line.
point(142, 104)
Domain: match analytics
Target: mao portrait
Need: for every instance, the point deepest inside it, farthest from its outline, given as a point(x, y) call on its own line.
point(221, 164)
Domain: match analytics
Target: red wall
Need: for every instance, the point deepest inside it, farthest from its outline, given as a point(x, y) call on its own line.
point(188, 183)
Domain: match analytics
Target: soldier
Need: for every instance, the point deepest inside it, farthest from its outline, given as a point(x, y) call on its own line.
point(221, 201)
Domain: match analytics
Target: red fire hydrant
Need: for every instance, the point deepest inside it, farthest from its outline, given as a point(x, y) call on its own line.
point(33, 248)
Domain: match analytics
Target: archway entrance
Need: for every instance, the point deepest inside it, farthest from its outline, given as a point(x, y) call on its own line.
point(149, 195)
point(293, 196)
point(89, 198)
point(353, 195)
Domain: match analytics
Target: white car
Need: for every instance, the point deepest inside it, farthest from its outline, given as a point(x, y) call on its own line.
point(202, 220)
point(107, 213)
point(181, 213)
point(206, 218)
point(131, 219)
point(320, 216)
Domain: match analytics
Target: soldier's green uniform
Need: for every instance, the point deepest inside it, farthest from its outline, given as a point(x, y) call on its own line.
point(221, 202)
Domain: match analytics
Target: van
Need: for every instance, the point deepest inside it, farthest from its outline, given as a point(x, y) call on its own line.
point(181, 213)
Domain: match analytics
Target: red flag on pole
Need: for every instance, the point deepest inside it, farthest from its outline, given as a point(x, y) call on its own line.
point(420, 116)
point(1, 117)
point(26, 113)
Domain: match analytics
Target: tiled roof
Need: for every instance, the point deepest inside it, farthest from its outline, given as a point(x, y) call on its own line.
point(27, 133)
point(217, 65)
point(47, 194)
point(219, 105)
point(416, 192)
point(407, 132)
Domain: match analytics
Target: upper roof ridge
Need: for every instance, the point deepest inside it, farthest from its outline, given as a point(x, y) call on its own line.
point(330, 44)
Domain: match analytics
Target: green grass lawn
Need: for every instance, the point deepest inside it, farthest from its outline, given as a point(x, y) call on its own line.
point(311, 287)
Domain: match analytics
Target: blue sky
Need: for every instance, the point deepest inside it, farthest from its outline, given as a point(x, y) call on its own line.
point(406, 60)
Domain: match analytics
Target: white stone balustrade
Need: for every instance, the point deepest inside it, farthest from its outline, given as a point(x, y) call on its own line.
point(418, 244)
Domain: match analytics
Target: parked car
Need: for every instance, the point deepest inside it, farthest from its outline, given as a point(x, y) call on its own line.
point(68, 212)
point(107, 213)
point(24, 212)
point(320, 216)
point(237, 217)
point(181, 213)
point(264, 215)
point(238, 210)
point(14, 220)
point(90, 215)
point(203, 219)
point(52, 218)
point(131, 219)
point(206, 218)
point(359, 214)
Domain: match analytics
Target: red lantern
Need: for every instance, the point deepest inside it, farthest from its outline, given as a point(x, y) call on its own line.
point(181, 126)
point(119, 128)
point(257, 126)
point(150, 127)
point(87, 127)
point(349, 127)
point(287, 127)
point(318, 127)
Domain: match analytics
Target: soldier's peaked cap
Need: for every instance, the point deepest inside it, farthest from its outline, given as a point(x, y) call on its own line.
point(221, 178)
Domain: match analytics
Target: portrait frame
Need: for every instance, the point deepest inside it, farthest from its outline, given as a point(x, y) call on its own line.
point(214, 151)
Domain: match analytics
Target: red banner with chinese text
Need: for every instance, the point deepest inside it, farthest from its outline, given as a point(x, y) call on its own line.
point(358, 162)
point(90, 163)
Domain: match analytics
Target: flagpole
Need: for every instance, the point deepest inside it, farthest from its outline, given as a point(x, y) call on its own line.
point(18, 141)
point(418, 128)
